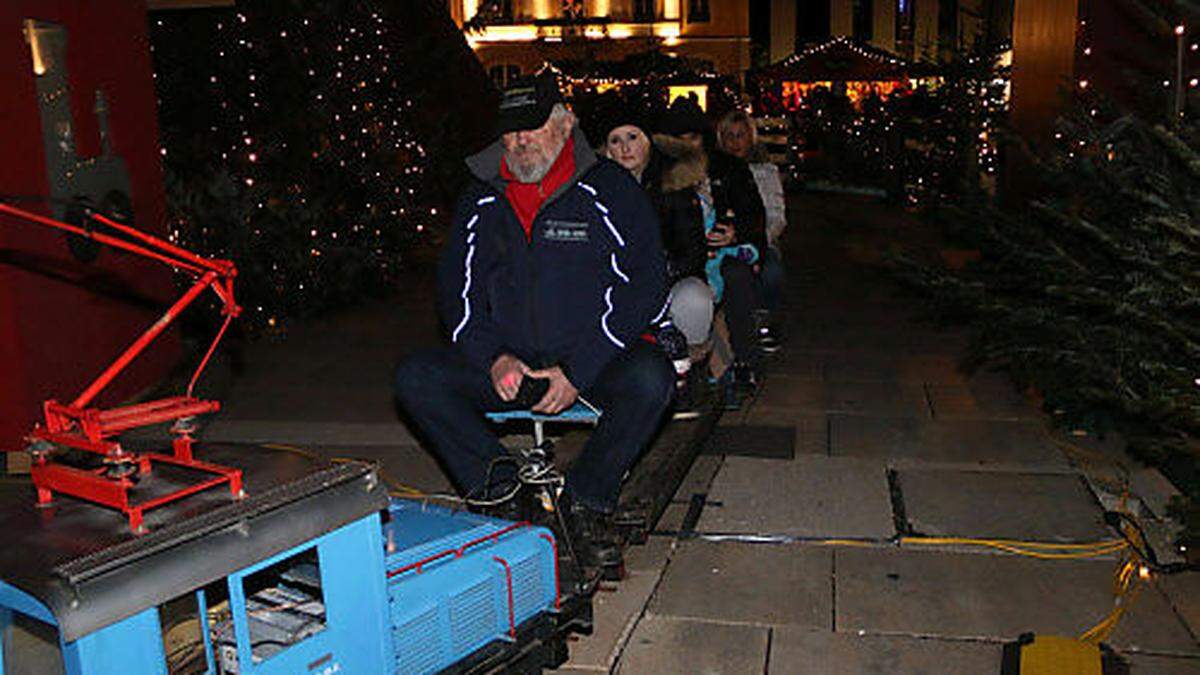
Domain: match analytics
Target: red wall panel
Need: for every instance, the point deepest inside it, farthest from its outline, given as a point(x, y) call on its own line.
point(63, 321)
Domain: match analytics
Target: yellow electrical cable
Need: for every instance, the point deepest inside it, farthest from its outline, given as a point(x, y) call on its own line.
point(388, 480)
point(1048, 550)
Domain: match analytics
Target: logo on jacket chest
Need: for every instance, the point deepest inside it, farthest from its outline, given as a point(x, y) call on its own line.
point(567, 231)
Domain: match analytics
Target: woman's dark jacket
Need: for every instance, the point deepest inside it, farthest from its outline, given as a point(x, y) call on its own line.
point(681, 219)
point(682, 168)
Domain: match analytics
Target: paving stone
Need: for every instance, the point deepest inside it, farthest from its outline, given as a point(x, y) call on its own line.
point(812, 434)
point(747, 583)
point(761, 442)
point(672, 518)
point(880, 336)
point(699, 478)
point(796, 651)
point(1140, 664)
point(997, 401)
point(791, 394)
point(614, 614)
point(978, 442)
point(877, 398)
point(800, 397)
point(1183, 592)
point(811, 495)
point(994, 597)
point(797, 364)
point(1155, 491)
point(301, 432)
point(875, 367)
point(1030, 506)
point(812, 428)
point(651, 556)
point(345, 404)
point(673, 646)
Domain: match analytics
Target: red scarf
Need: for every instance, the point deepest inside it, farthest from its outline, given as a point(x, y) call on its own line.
point(527, 198)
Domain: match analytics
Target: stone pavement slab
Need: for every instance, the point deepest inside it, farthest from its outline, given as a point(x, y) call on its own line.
point(774, 441)
point(1183, 592)
point(615, 611)
point(747, 583)
point(998, 443)
point(888, 367)
point(797, 651)
point(796, 397)
point(667, 646)
point(1162, 665)
point(299, 432)
point(699, 478)
point(651, 556)
point(790, 394)
point(798, 364)
point(317, 366)
point(812, 495)
point(1028, 506)
point(993, 597)
point(877, 398)
point(812, 434)
point(344, 404)
point(984, 400)
point(877, 336)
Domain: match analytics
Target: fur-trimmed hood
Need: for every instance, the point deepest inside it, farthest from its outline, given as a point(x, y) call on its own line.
point(685, 166)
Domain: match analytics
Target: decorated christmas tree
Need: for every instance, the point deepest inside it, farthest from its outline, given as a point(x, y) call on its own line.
point(289, 146)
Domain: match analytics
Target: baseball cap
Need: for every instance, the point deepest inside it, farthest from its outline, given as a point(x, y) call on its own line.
point(527, 102)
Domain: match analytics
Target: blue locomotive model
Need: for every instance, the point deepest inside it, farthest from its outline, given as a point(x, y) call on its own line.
point(316, 572)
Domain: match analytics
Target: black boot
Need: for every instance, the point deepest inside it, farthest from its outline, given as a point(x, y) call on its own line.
point(592, 539)
point(601, 548)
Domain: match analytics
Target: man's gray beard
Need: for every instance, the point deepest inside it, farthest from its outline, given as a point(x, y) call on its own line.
point(533, 173)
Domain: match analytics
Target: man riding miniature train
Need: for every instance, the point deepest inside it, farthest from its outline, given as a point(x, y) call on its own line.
point(554, 270)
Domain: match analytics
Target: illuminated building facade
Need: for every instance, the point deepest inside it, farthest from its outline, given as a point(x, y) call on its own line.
point(920, 30)
point(513, 37)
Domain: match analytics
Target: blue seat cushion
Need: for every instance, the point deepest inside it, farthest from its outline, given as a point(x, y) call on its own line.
point(576, 413)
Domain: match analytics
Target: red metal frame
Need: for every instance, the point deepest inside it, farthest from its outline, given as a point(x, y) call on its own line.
point(512, 616)
point(79, 426)
point(557, 587)
point(419, 565)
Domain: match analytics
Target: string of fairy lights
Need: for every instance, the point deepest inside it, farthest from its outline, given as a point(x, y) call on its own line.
point(916, 136)
point(308, 139)
point(842, 42)
point(1177, 53)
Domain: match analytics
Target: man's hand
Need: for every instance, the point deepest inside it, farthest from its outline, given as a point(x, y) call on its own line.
point(722, 234)
point(507, 373)
point(560, 396)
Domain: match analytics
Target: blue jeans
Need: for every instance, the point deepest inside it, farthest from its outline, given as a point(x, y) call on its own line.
point(447, 397)
point(770, 279)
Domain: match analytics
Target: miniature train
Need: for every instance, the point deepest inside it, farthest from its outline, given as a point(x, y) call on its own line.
point(317, 571)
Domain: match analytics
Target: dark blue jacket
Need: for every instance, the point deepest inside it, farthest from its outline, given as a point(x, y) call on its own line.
point(590, 282)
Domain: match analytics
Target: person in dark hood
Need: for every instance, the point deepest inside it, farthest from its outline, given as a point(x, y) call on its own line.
point(733, 218)
point(625, 132)
point(548, 274)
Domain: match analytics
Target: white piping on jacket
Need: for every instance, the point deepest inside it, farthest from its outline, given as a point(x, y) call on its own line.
point(617, 270)
point(604, 319)
point(467, 273)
